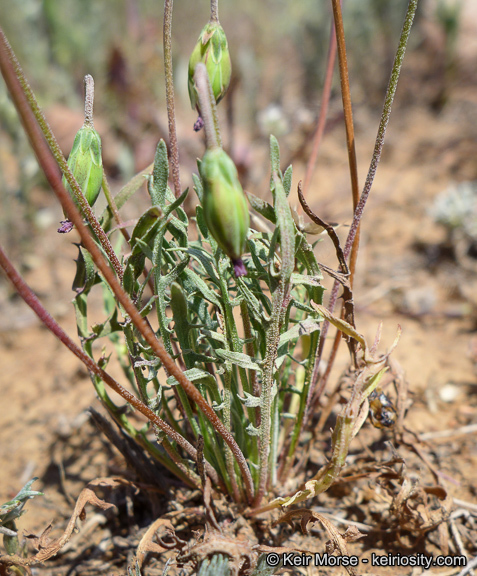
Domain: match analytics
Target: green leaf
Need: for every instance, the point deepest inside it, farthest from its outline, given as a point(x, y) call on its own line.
point(252, 301)
point(259, 254)
point(201, 255)
point(262, 207)
point(160, 176)
point(195, 375)
point(147, 221)
point(298, 279)
point(80, 304)
point(218, 565)
point(264, 569)
point(249, 400)
point(202, 287)
point(238, 358)
point(199, 189)
point(143, 233)
point(274, 155)
point(214, 335)
point(252, 431)
point(124, 195)
point(107, 327)
point(177, 202)
point(287, 180)
point(13, 509)
point(300, 329)
point(286, 227)
point(86, 276)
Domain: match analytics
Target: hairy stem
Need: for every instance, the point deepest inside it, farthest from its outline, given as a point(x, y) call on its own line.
point(386, 114)
point(250, 348)
point(88, 101)
point(171, 114)
point(214, 10)
point(266, 397)
point(207, 106)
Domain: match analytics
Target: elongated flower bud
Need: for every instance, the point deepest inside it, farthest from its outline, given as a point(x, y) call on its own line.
point(225, 207)
point(86, 163)
point(213, 51)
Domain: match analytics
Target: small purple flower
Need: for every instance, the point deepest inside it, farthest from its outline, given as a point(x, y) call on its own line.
point(199, 124)
point(239, 268)
point(66, 226)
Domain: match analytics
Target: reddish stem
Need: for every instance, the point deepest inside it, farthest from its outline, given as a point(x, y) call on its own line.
point(325, 100)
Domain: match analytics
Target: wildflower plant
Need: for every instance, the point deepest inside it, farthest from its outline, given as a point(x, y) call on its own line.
point(227, 376)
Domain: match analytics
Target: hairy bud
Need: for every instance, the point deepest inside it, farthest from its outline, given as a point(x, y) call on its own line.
point(86, 163)
point(212, 50)
point(225, 207)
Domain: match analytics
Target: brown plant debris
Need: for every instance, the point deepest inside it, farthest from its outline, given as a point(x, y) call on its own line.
point(337, 543)
point(47, 547)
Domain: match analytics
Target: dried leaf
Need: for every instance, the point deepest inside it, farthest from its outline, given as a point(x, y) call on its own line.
point(147, 545)
point(338, 541)
point(48, 548)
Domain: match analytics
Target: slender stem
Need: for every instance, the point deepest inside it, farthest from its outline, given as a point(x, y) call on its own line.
point(228, 423)
point(301, 414)
point(88, 101)
point(117, 218)
point(346, 96)
point(348, 115)
point(386, 114)
point(207, 106)
point(31, 299)
point(50, 169)
point(114, 209)
point(214, 10)
point(390, 93)
point(250, 348)
point(286, 226)
point(315, 397)
point(266, 399)
point(325, 100)
point(171, 114)
point(37, 127)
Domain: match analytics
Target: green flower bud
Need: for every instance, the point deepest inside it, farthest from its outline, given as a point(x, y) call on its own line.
point(86, 163)
point(225, 207)
point(213, 51)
